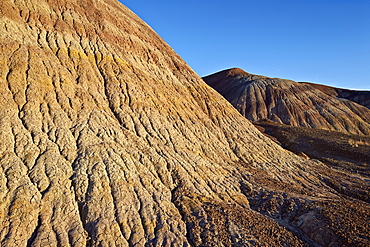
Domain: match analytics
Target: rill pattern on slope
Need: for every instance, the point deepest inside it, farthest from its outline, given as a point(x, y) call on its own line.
point(109, 139)
point(260, 98)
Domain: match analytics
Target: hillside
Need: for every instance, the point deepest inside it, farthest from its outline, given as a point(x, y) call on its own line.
point(108, 138)
point(360, 97)
point(260, 98)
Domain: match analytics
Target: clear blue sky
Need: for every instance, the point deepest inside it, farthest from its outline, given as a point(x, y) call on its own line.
point(322, 41)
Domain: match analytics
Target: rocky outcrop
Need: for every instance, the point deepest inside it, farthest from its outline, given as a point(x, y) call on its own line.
point(108, 138)
point(287, 102)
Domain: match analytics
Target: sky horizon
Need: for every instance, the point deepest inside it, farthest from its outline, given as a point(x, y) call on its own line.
point(320, 41)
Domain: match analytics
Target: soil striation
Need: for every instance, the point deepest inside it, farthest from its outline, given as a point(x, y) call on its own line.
point(108, 138)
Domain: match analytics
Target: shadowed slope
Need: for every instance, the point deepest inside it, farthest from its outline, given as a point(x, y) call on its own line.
point(109, 139)
point(283, 101)
point(345, 152)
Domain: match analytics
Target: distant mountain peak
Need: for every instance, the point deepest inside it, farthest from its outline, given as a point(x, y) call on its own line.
point(236, 71)
point(230, 72)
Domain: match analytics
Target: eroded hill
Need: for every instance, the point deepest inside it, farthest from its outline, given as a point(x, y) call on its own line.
point(108, 138)
point(287, 102)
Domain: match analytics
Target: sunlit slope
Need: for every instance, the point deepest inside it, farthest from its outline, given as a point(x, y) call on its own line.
point(108, 138)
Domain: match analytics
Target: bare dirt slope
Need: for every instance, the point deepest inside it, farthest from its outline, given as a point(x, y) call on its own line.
point(360, 97)
point(288, 102)
point(347, 154)
point(343, 150)
point(108, 138)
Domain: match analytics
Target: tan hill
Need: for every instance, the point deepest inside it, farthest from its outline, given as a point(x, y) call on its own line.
point(108, 138)
point(287, 102)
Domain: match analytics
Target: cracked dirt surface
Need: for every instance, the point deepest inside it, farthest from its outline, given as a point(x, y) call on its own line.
point(108, 138)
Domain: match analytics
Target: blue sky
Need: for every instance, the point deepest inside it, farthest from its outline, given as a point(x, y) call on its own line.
point(321, 41)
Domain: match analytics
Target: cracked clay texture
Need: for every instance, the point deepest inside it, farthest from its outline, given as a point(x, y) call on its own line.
point(108, 138)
